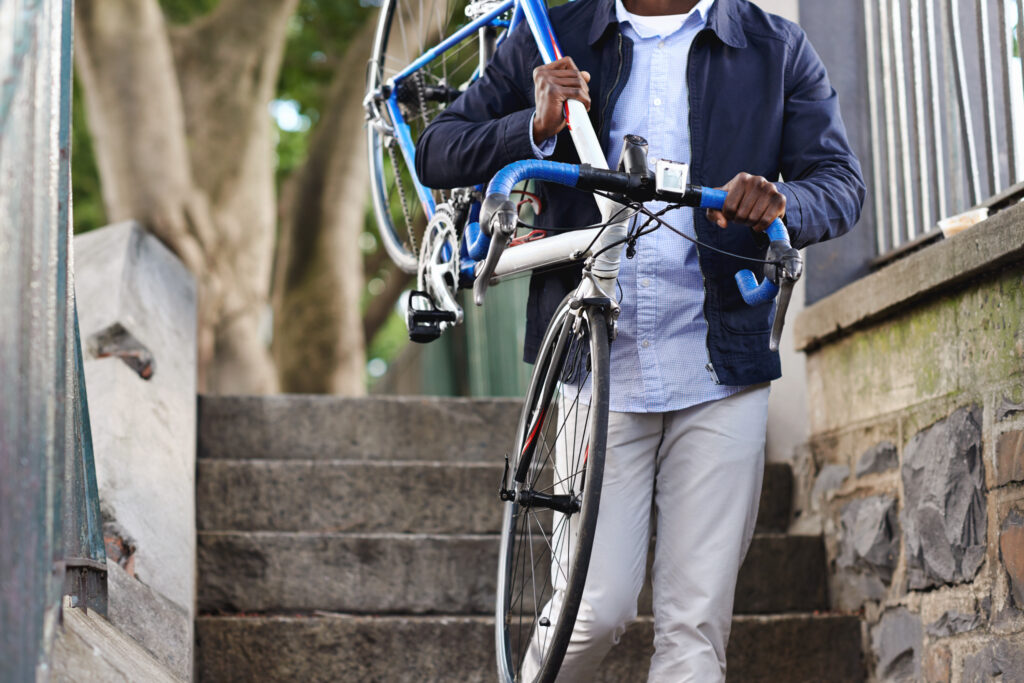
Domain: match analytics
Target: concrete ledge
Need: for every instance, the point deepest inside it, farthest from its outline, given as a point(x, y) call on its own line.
point(997, 241)
point(137, 308)
point(160, 625)
point(89, 649)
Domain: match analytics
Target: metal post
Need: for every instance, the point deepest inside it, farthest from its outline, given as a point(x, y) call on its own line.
point(876, 136)
point(33, 241)
point(963, 99)
point(892, 191)
point(987, 97)
point(1020, 36)
point(904, 126)
point(41, 418)
point(1006, 60)
point(938, 156)
point(917, 73)
point(85, 558)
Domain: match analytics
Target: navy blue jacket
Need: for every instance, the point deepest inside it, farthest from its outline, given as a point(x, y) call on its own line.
point(760, 102)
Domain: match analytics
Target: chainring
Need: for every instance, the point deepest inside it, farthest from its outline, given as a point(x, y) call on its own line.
point(438, 270)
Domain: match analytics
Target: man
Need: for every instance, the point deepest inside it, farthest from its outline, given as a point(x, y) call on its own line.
point(741, 96)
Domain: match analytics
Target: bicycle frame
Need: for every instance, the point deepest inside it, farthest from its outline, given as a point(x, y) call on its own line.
point(563, 248)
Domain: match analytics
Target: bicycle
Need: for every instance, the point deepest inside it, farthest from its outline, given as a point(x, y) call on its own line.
point(467, 238)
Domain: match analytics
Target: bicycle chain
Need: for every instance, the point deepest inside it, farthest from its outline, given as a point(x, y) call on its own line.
point(401, 195)
point(420, 86)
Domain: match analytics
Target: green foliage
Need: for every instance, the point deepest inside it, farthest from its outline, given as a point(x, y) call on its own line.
point(87, 200)
point(318, 34)
point(184, 11)
point(291, 150)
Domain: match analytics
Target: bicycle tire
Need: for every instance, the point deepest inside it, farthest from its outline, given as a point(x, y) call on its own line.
point(403, 34)
point(518, 610)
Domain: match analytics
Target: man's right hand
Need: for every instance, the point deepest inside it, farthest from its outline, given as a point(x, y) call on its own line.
point(553, 85)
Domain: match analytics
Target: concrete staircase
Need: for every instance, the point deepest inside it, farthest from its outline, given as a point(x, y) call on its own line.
point(356, 540)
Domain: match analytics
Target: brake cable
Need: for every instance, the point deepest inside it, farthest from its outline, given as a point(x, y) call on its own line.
point(656, 217)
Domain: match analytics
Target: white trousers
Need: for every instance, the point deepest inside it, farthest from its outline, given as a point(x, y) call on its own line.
point(702, 468)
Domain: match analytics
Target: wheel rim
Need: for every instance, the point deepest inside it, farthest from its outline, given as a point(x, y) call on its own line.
point(528, 578)
point(405, 31)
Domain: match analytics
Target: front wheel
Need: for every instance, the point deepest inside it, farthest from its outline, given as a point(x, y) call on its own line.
point(553, 489)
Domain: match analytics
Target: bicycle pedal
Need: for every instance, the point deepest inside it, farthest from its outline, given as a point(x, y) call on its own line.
point(423, 319)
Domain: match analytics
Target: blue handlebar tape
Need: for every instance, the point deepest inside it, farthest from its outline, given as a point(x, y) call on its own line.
point(752, 292)
point(711, 198)
point(535, 169)
point(777, 231)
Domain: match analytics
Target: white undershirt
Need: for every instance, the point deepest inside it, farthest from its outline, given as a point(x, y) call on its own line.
point(648, 26)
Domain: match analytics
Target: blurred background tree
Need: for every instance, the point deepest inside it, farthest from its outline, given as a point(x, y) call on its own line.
point(233, 130)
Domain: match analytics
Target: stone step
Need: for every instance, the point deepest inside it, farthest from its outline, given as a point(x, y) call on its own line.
point(800, 648)
point(419, 574)
point(384, 428)
point(383, 496)
point(335, 428)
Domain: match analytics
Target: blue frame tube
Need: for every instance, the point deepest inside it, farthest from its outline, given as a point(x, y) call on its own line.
point(517, 18)
point(452, 40)
point(536, 15)
point(408, 148)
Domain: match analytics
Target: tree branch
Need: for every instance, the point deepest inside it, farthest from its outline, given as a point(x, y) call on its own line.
point(228, 62)
point(318, 278)
point(137, 123)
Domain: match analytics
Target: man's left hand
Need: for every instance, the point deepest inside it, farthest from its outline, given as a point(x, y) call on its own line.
point(752, 200)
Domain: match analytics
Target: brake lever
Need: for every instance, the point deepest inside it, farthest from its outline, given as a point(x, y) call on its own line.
point(782, 303)
point(789, 269)
point(498, 217)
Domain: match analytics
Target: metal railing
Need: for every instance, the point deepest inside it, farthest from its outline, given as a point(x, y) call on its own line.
point(946, 105)
point(50, 527)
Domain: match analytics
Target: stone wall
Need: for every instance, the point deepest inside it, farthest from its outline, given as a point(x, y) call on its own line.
point(915, 466)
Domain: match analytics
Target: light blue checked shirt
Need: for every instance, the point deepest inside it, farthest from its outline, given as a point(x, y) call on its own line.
point(659, 361)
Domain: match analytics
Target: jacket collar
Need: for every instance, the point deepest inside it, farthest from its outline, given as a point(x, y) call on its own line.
point(723, 21)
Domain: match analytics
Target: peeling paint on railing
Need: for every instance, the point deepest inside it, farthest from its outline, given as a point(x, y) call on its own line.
point(49, 511)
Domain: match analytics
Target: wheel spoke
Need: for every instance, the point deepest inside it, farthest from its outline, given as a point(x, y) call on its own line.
point(564, 460)
point(551, 550)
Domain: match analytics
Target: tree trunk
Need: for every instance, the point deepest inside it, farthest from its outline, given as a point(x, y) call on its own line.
point(318, 328)
point(378, 310)
point(183, 143)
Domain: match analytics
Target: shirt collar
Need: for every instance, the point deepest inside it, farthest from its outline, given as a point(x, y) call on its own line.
point(701, 9)
point(721, 16)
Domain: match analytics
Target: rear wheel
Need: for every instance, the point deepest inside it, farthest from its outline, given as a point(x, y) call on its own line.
point(554, 484)
point(407, 29)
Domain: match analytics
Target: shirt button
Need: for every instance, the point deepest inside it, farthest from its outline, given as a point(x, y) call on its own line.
point(645, 282)
point(645, 343)
point(661, 44)
point(657, 101)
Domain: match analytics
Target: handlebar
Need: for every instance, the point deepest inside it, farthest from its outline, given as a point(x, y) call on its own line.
point(498, 220)
point(752, 292)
